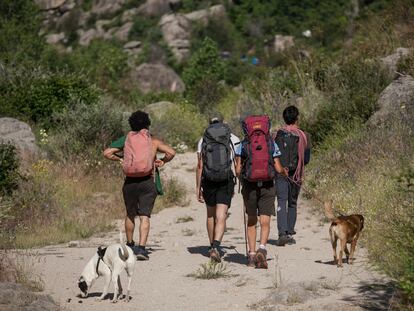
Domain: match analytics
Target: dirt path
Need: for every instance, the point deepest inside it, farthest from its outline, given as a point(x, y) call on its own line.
point(300, 277)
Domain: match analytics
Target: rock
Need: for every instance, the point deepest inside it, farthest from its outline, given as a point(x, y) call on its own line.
point(123, 32)
point(85, 37)
point(155, 78)
point(132, 45)
point(176, 31)
point(46, 5)
point(282, 43)
point(391, 61)
point(21, 136)
point(153, 8)
point(157, 110)
point(74, 244)
point(106, 6)
point(396, 101)
point(55, 38)
point(128, 15)
point(203, 16)
point(17, 297)
point(67, 6)
point(307, 33)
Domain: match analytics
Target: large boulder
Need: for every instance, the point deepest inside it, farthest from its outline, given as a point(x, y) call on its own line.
point(391, 61)
point(396, 103)
point(155, 78)
point(46, 5)
point(123, 32)
point(203, 16)
point(106, 6)
point(176, 31)
point(21, 136)
point(159, 109)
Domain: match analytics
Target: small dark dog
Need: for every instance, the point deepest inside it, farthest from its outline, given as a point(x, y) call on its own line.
point(346, 229)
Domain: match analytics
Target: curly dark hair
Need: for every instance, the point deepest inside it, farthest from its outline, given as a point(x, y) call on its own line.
point(290, 114)
point(139, 120)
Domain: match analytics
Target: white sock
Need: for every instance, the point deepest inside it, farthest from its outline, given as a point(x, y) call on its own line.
point(261, 246)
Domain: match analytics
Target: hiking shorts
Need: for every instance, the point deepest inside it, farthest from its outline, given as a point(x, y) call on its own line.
point(259, 200)
point(218, 192)
point(139, 196)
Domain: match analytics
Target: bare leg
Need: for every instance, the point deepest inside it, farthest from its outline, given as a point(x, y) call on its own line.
point(211, 215)
point(341, 252)
point(220, 221)
point(351, 256)
point(347, 254)
point(144, 228)
point(264, 229)
point(251, 232)
point(129, 228)
point(334, 241)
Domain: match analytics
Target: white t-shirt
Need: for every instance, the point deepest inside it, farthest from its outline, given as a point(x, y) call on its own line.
point(235, 141)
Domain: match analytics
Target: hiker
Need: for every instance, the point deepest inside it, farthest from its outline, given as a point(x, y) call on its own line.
point(295, 148)
point(257, 161)
point(215, 179)
point(139, 163)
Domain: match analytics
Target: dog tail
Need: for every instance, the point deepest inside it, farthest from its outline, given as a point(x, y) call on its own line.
point(124, 254)
point(329, 212)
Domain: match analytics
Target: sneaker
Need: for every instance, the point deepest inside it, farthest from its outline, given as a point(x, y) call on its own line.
point(214, 255)
point(261, 261)
point(251, 260)
point(291, 240)
point(292, 232)
point(142, 254)
point(282, 240)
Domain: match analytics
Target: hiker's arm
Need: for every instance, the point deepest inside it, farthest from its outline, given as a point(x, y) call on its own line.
point(238, 166)
point(168, 152)
point(279, 168)
point(110, 154)
point(199, 170)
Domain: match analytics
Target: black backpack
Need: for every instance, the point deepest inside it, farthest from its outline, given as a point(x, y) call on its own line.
point(288, 145)
point(216, 153)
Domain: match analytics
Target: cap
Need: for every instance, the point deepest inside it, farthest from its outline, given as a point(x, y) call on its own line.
point(216, 118)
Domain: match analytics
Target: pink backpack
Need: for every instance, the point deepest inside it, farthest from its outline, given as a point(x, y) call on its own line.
point(138, 154)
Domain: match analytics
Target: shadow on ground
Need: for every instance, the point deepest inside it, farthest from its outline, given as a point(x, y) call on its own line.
point(373, 296)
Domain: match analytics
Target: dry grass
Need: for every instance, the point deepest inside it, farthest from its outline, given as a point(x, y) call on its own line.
point(184, 219)
point(211, 270)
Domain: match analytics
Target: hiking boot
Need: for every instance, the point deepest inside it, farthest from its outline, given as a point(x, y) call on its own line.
point(142, 254)
point(291, 240)
point(214, 255)
point(251, 260)
point(292, 232)
point(282, 240)
point(261, 261)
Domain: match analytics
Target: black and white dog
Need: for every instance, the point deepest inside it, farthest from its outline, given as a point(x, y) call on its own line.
point(109, 263)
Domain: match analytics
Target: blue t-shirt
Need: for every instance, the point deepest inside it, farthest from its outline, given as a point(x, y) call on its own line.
point(276, 152)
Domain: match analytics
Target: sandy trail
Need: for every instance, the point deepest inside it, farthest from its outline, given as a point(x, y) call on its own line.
point(300, 277)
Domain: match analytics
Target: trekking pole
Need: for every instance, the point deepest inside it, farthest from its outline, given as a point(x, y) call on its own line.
point(245, 230)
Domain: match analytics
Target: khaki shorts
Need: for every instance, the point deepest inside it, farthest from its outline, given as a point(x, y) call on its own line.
point(259, 200)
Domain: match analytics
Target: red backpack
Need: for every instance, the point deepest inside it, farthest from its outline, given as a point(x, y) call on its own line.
point(138, 154)
point(258, 148)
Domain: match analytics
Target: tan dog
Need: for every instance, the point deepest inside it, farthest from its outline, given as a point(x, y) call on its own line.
point(346, 229)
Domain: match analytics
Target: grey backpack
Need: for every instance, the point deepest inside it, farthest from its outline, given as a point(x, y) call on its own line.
point(216, 153)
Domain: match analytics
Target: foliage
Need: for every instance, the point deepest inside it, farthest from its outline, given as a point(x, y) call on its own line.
point(34, 95)
point(175, 194)
point(20, 43)
point(203, 74)
point(9, 166)
point(84, 131)
point(211, 270)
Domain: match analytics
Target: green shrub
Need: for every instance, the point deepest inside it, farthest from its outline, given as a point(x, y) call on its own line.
point(175, 194)
point(203, 74)
point(9, 166)
point(34, 95)
point(84, 131)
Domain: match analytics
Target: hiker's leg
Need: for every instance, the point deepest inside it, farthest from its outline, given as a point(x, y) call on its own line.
point(282, 190)
point(211, 215)
point(144, 228)
point(131, 194)
point(251, 232)
point(264, 229)
point(294, 190)
point(220, 221)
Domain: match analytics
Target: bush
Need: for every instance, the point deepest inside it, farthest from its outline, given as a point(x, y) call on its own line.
point(9, 166)
point(203, 74)
point(175, 194)
point(34, 95)
point(84, 131)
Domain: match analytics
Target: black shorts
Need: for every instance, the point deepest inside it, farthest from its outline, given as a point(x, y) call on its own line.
point(259, 200)
point(139, 195)
point(217, 192)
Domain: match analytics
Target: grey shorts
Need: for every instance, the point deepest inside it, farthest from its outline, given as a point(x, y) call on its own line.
point(139, 196)
point(259, 200)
